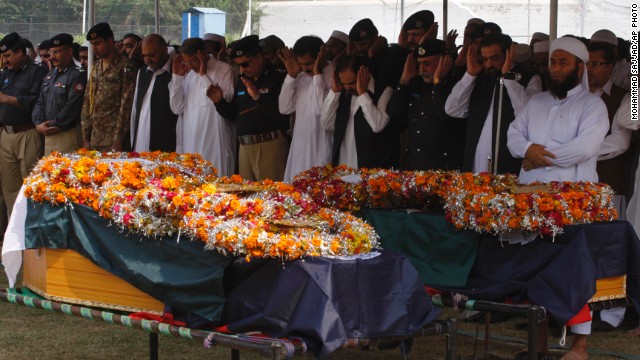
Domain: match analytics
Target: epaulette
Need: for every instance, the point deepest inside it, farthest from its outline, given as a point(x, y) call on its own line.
point(80, 69)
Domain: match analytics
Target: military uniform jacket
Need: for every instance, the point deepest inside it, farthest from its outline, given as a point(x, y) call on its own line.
point(24, 84)
point(106, 111)
point(257, 116)
point(435, 140)
point(61, 97)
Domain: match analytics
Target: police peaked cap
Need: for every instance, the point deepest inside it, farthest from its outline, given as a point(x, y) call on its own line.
point(247, 46)
point(11, 41)
point(420, 20)
point(63, 39)
point(101, 30)
point(362, 30)
point(430, 47)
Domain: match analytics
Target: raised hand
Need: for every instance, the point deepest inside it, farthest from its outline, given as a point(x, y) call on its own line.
point(378, 44)
point(252, 90)
point(290, 62)
point(177, 67)
point(474, 67)
point(403, 39)
point(136, 52)
point(321, 61)
point(410, 70)
point(214, 93)
point(508, 59)
point(444, 65)
point(461, 60)
point(450, 41)
point(203, 63)
point(432, 33)
point(336, 84)
point(363, 80)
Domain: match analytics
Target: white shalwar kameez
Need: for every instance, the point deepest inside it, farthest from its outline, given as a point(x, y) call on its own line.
point(311, 143)
point(573, 129)
point(200, 128)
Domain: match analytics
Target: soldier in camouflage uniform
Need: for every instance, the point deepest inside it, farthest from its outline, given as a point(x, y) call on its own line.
point(109, 96)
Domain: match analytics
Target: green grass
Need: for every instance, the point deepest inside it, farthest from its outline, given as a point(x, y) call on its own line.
point(27, 333)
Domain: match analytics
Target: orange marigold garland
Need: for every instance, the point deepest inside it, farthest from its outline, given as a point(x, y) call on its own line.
point(480, 202)
point(159, 194)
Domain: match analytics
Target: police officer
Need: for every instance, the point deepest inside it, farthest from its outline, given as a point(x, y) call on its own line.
point(435, 141)
point(106, 111)
point(260, 126)
point(57, 111)
point(20, 144)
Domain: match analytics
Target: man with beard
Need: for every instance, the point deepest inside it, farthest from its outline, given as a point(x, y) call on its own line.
point(201, 129)
point(356, 114)
point(307, 83)
point(57, 111)
point(20, 144)
point(559, 135)
point(475, 97)
point(153, 124)
point(109, 97)
point(435, 141)
point(336, 44)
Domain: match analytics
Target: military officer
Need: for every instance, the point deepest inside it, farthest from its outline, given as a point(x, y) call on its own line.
point(20, 144)
point(57, 110)
point(435, 140)
point(106, 111)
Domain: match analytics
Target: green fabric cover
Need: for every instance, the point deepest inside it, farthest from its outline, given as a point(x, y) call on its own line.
point(443, 255)
point(180, 274)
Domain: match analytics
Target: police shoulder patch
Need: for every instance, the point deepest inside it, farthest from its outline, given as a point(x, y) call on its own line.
point(79, 87)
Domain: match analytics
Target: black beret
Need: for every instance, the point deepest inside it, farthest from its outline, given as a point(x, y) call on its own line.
point(249, 45)
point(45, 45)
point(430, 47)
point(362, 30)
point(492, 28)
point(62, 40)
point(11, 42)
point(420, 20)
point(101, 30)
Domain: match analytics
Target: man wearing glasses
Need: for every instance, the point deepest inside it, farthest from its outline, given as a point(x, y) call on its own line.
point(260, 126)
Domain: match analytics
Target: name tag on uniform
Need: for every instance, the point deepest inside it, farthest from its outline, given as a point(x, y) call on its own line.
point(60, 85)
point(242, 92)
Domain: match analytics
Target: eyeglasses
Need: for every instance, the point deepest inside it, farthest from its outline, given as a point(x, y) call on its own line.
point(245, 64)
point(596, 63)
point(45, 56)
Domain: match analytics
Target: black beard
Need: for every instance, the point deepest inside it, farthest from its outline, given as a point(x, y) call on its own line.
point(560, 89)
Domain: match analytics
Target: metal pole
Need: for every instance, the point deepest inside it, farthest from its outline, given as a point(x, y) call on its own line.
point(249, 18)
point(91, 21)
point(153, 346)
point(553, 19)
point(401, 13)
point(532, 323)
point(496, 148)
point(84, 17)
point(157, 13)
point(445, 18)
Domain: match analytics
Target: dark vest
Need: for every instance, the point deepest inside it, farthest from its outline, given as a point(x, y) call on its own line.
point(163, 120)
point(615, 171)
point(481, 99)
point(373, 149)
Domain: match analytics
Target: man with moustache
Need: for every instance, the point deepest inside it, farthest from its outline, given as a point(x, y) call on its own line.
point(307, 83)
point(153, 124)
point(56, 114)
point(435, 140)
point(475, 97)
point(356, 114)
point(21, 145)
point(336, 44)
point(108, 100)
point(260, 126)
point(559, 136)
point(201, 129)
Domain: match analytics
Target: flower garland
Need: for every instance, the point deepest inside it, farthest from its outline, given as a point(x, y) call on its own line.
point(158, 194)
point(479, 202)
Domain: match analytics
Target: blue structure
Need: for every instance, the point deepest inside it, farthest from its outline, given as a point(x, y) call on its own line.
point(198, 21)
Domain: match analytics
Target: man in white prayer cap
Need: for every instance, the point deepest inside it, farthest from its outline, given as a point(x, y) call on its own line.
point(538, 36)
point(559, 135)
point(336, 44)
point(621, 73)
point(213, 43)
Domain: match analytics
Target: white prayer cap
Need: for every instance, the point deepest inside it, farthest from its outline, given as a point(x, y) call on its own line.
point(522, 53)
point(541, 47)
point(539, 36)
point(340, 36)
point(605, 36)
point(570, 45)
point(213, 37)
point(476, 21)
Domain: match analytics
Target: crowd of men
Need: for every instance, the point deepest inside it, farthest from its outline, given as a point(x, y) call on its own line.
point(550, 110)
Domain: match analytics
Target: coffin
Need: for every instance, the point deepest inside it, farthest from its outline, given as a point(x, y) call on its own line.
point(66, 276)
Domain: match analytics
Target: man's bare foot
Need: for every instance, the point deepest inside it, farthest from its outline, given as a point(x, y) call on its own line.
point(578, 349)
point(634, 332)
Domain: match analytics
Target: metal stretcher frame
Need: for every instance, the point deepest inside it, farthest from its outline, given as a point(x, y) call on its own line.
point(276, 349)
point(533, 313)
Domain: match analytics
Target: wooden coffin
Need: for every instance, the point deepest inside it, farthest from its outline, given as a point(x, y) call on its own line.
point(66, 276)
